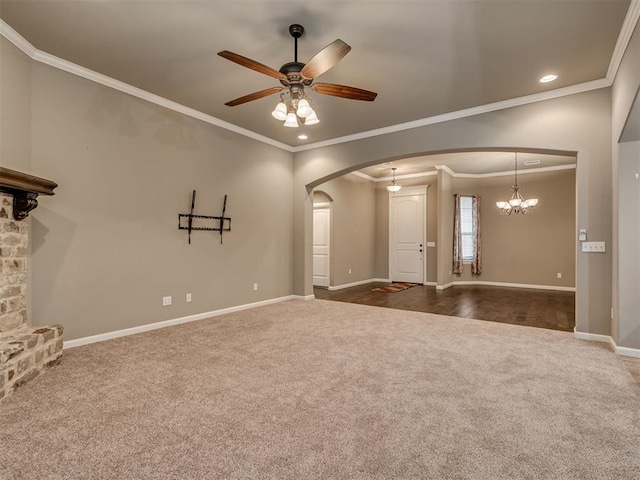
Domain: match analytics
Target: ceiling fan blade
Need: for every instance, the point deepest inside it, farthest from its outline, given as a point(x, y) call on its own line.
point(325, 59)
point(252, 64)
point(253, 96)
point(344, 91)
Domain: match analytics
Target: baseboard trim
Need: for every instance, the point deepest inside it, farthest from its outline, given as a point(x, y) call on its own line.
point(594, 337)
point(504, 284)
point(355, 284)
point(301, 297)
point(627, 352)
point(101, 337)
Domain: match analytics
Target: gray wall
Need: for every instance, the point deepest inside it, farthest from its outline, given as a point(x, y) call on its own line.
point(15, 114)
point(446, 206)
point(353, 226)
point(529, 249)
point(625, 328)
point(578, 124)
point(106, 248)
point(382, 226)
point(516, 249)
point(628, 331)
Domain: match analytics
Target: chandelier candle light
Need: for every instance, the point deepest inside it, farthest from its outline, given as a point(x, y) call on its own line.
point(517, 203)
point(393, 187)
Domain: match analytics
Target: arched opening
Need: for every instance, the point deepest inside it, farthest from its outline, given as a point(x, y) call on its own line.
point(537, 251)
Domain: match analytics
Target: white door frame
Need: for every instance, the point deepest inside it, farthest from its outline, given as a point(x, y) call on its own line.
point(407, 192)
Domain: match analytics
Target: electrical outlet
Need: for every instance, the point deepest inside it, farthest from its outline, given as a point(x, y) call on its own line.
point(558, 275)
point(188, 299)
point(166, 301)
point(349, 271)
point(255, 287)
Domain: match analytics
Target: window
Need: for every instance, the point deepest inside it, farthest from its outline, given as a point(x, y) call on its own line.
point(466, 228)
point(466, 234)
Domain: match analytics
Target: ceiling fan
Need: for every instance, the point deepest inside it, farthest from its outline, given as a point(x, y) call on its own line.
point(295, 76)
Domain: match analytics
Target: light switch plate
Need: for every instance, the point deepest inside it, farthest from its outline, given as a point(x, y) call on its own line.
point(593, 247)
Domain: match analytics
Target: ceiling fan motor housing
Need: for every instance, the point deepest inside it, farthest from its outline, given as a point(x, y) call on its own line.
point(292, 71)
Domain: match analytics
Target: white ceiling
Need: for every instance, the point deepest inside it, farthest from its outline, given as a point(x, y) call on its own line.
point(424, 58)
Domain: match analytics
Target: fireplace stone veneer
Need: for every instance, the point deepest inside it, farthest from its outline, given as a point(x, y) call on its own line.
point(25, 351)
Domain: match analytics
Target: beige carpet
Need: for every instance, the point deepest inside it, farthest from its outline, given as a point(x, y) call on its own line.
point(320, 389)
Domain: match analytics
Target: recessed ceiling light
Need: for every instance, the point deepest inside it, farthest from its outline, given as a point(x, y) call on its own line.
point(548, 78)
point(302, 136)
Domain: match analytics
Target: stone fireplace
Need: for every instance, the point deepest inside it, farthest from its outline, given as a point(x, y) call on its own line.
point(25, 351)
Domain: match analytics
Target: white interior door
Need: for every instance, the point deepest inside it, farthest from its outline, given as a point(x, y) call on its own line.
point(407, 237)
point(321, 246)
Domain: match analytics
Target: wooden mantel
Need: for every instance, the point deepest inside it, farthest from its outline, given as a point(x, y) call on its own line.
point(25, 189)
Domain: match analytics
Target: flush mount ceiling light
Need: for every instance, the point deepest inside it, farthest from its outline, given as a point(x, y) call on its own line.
point(302, 136)
point(295, 76)
point(548, 78)
point(393, 187)
point(517, 203)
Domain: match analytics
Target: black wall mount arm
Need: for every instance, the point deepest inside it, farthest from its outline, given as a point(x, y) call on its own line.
point(204, 222)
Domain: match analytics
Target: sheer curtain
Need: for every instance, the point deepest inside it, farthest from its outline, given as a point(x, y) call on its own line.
point(467, 245)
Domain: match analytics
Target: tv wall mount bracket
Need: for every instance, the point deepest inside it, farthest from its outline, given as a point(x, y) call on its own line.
point(190, 221)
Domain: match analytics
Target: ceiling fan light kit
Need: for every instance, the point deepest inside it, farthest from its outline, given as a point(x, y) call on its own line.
point(291, 120)
point(295, 102)
point(295, 76)
point(280, 112)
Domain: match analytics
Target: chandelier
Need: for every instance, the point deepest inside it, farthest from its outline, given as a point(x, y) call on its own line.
point(393, 187)
point(517, 203)
point(293, 104)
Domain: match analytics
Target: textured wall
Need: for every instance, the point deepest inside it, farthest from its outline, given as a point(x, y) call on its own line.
point(25, 352)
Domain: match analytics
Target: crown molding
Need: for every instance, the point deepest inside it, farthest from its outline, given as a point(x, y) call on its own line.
point(365, 176)
point(18, 40)
point(467, 175)
point(626, 32)
point(469, 112)
point(509, 172)
point(631, 19)
point(70, 67)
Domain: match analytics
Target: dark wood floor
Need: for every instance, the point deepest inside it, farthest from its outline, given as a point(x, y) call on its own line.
point(518, 306)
